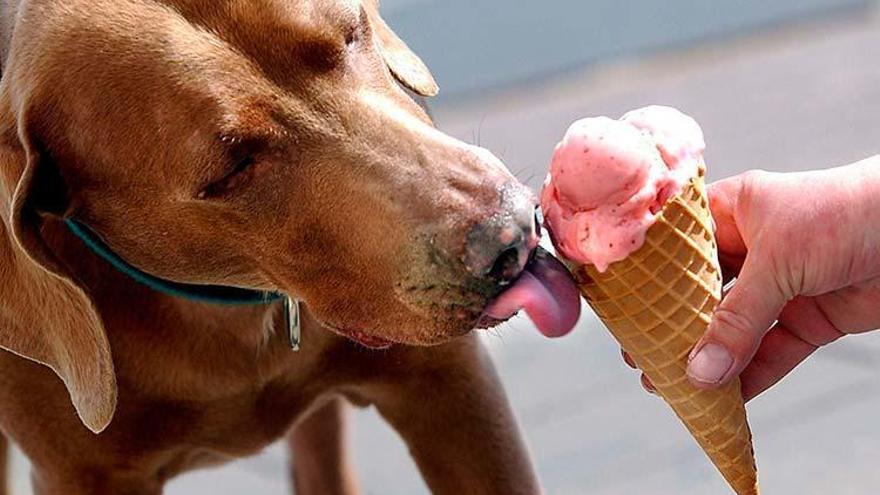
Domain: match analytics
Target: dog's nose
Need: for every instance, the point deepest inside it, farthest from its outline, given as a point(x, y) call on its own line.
point(499, 247)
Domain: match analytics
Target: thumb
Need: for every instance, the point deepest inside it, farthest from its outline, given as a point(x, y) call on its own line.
point(738, 325)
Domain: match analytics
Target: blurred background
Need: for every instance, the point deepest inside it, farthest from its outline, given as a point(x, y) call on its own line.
point(781, 85)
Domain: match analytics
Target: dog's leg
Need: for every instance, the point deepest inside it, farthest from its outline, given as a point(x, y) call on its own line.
point(320, 455)
point(93, 482)
point(4, 465)
point(448, 404)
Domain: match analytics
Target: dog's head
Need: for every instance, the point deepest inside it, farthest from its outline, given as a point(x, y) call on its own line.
point(259, 144)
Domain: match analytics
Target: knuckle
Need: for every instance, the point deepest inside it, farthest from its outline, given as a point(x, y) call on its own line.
point(789, 275)
point(647, 385)
point(737, 331)
point(754, 178)
point(750, 183)
point(748, 198)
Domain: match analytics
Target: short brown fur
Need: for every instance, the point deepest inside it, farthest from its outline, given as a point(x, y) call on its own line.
point(129, 115)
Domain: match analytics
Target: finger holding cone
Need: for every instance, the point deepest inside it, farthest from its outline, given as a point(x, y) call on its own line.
point(646, 262)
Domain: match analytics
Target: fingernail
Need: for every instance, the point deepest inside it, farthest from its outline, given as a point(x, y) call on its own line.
point(628, 359)
point(710, 364)
point(648, 386)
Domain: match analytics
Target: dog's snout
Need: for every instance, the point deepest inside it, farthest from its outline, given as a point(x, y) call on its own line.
point(499, 247)
point(507, 266)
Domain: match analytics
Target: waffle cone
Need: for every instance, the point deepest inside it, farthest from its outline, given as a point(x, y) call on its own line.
point(657, 303)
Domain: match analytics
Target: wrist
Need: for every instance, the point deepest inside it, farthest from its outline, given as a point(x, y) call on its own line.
point(864, 179)
point(863, 182)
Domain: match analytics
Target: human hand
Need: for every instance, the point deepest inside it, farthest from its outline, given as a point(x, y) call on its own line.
point(805, 251)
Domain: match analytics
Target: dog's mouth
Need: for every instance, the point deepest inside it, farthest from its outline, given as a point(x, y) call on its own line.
point(547, 293)
point(369, 341)
point(364, 339)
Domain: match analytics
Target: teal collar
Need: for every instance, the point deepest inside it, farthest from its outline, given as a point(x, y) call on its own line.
point(226, 296)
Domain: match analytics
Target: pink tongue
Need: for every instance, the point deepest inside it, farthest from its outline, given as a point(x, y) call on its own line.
point(548, 294)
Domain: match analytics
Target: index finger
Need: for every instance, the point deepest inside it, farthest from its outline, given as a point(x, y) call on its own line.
point(732, 249)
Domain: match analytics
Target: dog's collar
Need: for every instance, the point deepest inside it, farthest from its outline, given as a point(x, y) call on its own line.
point(214, 294)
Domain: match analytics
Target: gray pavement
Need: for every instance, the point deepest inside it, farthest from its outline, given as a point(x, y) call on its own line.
point(799, 98)
point(474, 46)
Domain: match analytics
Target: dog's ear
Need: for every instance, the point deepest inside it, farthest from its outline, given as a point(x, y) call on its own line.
point(45, 315)
point(406, 66)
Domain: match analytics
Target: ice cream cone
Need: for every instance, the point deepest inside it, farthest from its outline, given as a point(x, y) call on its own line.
point(657, 302)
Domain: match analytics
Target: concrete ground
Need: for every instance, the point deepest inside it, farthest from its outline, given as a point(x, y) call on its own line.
point(476, 46)
point(801, 98)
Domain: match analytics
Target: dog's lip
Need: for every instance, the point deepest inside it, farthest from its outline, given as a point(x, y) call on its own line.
point(486, 322)
point(363, 338)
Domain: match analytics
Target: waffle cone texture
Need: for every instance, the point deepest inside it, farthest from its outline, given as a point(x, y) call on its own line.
point(658, 303)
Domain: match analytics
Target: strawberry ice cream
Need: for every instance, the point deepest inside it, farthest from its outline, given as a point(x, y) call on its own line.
point(609, 179)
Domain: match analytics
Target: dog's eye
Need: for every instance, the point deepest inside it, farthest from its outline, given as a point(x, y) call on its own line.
point(238, 176)
point(355, 31)
point(351, 38)
point(353, 35)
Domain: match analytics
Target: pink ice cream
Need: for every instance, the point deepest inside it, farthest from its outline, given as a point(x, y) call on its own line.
point(609, 179)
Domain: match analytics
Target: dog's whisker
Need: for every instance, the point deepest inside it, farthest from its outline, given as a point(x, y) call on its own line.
point(480, 130)
point(497, 333)
point(519, 175)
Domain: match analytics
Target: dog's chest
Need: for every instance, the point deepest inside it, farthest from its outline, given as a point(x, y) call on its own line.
point(167, 433)
point(223, 399)
point(235, 426)
point(180, 435)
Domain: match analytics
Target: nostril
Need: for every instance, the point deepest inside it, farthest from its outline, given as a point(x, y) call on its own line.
point(507, 266)
point(498, 247)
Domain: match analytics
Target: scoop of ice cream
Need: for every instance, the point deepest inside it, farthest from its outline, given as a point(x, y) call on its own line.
point(678, 137)
point(596, 158)
point(609, 179)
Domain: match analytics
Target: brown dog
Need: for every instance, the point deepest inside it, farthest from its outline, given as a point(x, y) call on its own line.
point(259, 144)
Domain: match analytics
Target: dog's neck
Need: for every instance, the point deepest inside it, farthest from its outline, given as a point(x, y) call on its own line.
point(147, 326)
point(210, 294)
point(106, 283)
point(225, 296)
